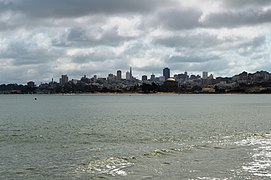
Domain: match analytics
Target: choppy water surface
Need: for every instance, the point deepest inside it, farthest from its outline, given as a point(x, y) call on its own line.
point(135, 137)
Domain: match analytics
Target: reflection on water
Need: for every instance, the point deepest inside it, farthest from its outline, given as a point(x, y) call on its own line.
point(260, 164)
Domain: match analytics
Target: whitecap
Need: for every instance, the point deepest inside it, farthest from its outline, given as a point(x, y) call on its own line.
point(111, 166)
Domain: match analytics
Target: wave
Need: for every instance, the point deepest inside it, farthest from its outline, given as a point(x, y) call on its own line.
point(111, 166)
point(260, 166)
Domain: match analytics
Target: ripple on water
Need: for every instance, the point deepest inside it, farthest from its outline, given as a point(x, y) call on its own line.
point(111, 166)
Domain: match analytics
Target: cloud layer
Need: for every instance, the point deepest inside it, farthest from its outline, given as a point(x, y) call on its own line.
point(40, 40)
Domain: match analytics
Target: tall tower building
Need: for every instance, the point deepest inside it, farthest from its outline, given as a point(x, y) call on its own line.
point(119, 75)
point(128, 75)
point(131, 74)
point(152, 77)
point(166, 73)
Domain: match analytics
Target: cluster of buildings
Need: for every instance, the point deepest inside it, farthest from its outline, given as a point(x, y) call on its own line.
point(243, 82)
point(118, 77)
point(259, 82)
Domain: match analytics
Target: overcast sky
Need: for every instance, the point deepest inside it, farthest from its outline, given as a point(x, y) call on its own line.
point(42, 39)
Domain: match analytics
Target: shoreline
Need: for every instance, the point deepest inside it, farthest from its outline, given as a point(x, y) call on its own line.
point(139, 93)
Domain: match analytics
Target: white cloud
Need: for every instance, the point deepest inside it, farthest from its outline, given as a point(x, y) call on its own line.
point(44, 39)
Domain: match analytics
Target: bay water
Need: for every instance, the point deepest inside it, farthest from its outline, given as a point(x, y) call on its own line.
point(134, 136)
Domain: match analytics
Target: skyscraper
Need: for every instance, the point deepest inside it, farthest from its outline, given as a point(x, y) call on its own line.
point(152, 77)
point(128, 75)
point(166, 73)
point(204, 75)
point(64, 79)
point(131, 74)
point(119, 75)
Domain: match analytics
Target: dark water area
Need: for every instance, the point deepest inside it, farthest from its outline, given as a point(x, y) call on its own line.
point(135, 137)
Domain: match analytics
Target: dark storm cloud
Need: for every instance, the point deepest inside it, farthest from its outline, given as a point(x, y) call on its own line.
point(256, 42)
point(82, 37)
point(82, 59)
point(137, 49)
point(155, 68)
point(93, 57)
point(77, 8)
point(210, 66)
point(189, 41)
point(208, 41)
point(253, 47)
point(22, 54)
point(240, 18)
point(178, 18)
point(233, 14)
point(5, 5)
point(245, 3)
point(191, 59)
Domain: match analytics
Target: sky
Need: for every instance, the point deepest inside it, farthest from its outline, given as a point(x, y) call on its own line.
point(43, 39)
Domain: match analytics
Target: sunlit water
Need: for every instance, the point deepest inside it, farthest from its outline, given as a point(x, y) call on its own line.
point(135, 137)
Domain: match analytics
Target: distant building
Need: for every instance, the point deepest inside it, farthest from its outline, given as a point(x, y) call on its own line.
point(131, 73)
point(170, 85)
point(31, 84)
point(144, 78)
point(128, 75)
point(84, 79)
point(182, 77)
point(166, 73)
point(74, 81)
point(119, 75)
point(162, 78)
point(64, 79)
point(152, 77)
point(110, 77)
point(204, 75)
point(194, 77)
point(211, 76)
point(95, 78)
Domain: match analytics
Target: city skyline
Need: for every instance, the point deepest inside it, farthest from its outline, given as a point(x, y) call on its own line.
point(120, 75)
point(222, 37)
point(127, 74)
point(257, 82)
